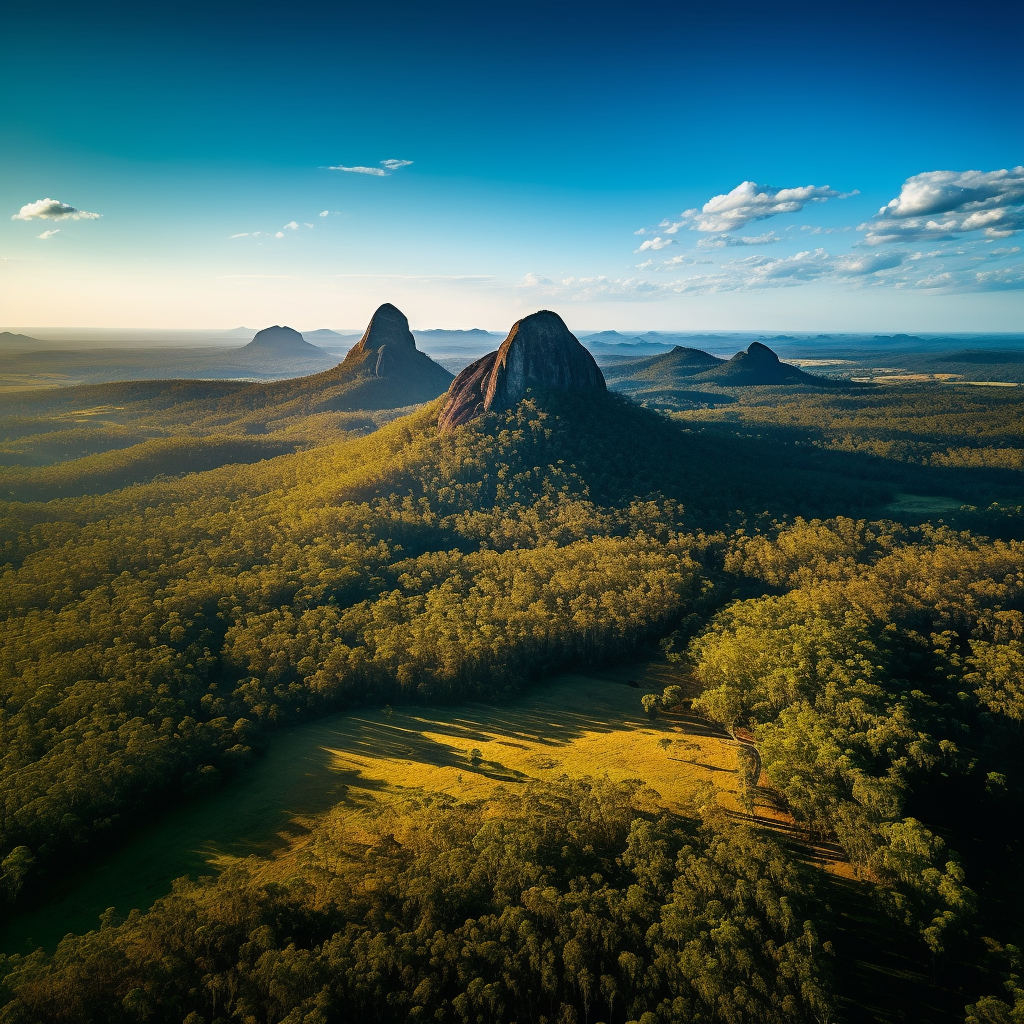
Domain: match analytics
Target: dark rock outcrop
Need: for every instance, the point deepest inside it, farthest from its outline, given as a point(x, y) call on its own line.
point(387, 344)
point(540, 351)
point(384, 369)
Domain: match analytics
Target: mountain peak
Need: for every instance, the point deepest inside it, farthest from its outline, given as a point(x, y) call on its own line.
point(758, 353)
point(388, 326)
point(539, 351)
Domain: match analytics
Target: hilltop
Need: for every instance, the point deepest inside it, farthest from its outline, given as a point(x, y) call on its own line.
point(757, 366)
point(280, 341)
point(666, 370)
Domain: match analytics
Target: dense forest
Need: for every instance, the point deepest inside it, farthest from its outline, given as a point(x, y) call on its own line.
point(869, 666)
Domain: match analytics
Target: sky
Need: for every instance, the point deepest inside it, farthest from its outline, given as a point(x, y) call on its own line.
point(665, 166)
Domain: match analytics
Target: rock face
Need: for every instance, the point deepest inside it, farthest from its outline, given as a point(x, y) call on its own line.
point(539, 351)
point(384, 369)
point(387, 344)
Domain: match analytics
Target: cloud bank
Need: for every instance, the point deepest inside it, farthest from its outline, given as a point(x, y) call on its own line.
point(936, 271)
point(52, 209)
point(947, 204)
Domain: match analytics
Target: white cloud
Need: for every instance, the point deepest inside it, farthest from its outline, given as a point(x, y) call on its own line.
point(729, 241)
point(686, 261)
point(946, 204)
point(863, 264)
point(384, 171)
point(655, 243)
point(279, 234)
point(291, 226)
point(748, 202)
point(361, 170)
point(323, 213)
point(308, 225)
point(50, 233)
point(640, 231)
point(244, 234)
point(52, 209)
point(644, 265)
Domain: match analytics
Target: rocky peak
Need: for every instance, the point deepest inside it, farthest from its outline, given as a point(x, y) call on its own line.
point(539, 351)
point(386, 345)
point(388, 326)
point(759, 355)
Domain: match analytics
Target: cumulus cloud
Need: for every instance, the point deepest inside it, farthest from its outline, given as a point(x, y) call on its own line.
point(748, 202)
point(291, 226)
point(308, 225)
point(50, 233)
point(323, 213)
point(729, 241)
point(394, 165)
point(655, 243)
point(947, 204)
point(52, 209)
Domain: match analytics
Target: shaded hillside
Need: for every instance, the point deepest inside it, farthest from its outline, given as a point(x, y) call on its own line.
point(384, 370)
point(669, 370)
point(758, 366)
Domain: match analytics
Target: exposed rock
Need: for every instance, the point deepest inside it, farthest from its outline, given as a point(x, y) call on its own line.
point(387, 343)
point(539, 351)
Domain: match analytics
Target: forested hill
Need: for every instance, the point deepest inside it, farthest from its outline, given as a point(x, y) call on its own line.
point(170, 622)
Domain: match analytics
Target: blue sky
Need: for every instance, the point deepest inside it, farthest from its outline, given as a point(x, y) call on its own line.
point(752, 146)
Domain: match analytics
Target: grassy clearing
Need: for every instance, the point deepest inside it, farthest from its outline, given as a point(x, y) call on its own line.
point(574, 724)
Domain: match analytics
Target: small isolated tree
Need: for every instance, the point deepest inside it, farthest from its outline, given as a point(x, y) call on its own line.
point(475, 756)
point(651, 702)
point(672, 696)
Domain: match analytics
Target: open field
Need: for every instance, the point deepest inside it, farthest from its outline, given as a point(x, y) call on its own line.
point(574, 724)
